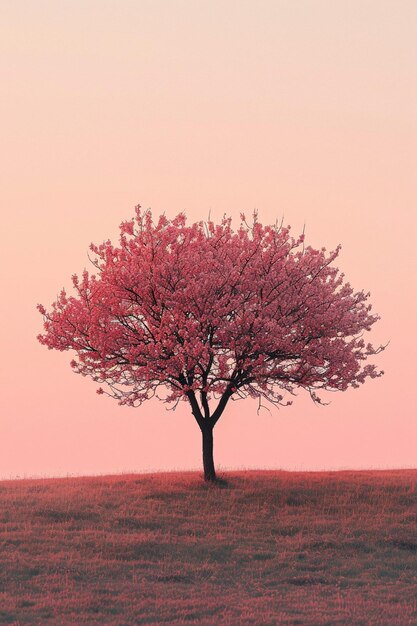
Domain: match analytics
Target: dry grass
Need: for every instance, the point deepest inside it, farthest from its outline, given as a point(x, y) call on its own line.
point(264, 548)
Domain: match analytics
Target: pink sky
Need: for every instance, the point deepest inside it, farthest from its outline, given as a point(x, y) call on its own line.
point(304, 109)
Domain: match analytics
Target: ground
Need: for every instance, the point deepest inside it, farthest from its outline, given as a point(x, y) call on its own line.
point(261, 548)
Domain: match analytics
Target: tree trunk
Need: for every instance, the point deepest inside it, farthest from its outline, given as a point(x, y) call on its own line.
point(208, 463)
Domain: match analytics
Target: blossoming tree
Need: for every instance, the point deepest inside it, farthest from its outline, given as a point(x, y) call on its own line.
point(205, 314)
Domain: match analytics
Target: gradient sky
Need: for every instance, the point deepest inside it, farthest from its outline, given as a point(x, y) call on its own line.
point(302, 109)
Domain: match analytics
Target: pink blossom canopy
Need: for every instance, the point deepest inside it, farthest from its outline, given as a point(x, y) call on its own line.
point(205, 309)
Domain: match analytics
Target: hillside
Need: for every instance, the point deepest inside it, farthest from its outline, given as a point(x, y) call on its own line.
point(266, 547)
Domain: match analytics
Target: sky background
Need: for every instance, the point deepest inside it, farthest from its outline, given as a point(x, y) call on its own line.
point(301, 109)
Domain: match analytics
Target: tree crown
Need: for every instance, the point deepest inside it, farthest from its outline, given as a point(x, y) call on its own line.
point(206, 309)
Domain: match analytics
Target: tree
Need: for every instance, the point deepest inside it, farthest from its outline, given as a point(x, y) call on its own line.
point(208, 315)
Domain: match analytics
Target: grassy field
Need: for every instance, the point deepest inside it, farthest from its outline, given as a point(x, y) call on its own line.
point(265, 547)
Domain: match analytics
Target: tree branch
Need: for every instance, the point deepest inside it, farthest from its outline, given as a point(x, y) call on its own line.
point(221, 406)
point(195, 409)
